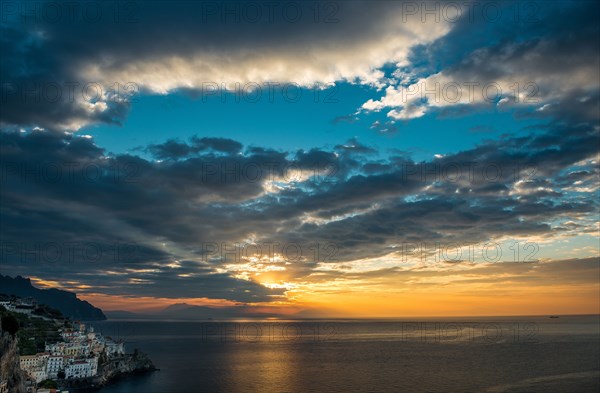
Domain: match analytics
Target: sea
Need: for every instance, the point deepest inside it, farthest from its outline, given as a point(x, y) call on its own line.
point(485, 354)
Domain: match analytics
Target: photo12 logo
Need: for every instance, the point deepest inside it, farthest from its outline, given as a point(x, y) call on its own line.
point(69, 92)
point(34, 12)
point(469, 172)
point(226, 171)
point(270, 92)
point(269, 251)
point(454, 252)
point(469, 332)
point(471, 11)
point(56, 172)
point(266, 332)
point(68, 252)
point(269, 12)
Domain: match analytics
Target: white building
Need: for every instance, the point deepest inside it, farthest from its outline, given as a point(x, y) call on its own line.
point(34, 361)
point(93, 362)
point(77, 369)
point(56, 349)
point(39, 375)
point(28, 361)
point(35, 366)
point(76, 349)
point(77, 356)
point(7, 305)
point(23, 309)
point(55, 364)
point(69, 335)
point(82, 368)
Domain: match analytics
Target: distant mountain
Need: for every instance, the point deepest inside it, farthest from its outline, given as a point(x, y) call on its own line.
point(66, 302)
point(187, 311)
point(120, 314)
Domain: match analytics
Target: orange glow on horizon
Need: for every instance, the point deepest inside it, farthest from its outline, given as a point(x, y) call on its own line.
point(562, 287)
point(152, 304)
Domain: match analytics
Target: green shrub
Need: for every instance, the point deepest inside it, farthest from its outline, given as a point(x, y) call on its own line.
point(48, 384)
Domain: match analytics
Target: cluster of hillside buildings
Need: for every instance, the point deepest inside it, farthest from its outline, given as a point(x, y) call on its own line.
point(77, 356)
point(22, 306)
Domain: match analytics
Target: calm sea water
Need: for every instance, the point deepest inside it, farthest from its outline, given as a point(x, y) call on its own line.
point(521, 354)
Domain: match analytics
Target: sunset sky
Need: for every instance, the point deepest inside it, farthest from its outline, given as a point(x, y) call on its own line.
point(314, 159)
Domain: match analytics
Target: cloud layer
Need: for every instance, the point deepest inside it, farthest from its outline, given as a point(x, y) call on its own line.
point(203, 212)
point(210, 217)
point(192, 46)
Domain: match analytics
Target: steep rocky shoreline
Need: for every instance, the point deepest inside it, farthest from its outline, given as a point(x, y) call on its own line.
point(112, 370)
point(108, 372)
point(13, 378)
point(10, 370)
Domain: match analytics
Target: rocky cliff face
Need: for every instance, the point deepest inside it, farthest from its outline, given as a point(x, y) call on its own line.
point(9, 364)
point(112, 370)
point(127, 364)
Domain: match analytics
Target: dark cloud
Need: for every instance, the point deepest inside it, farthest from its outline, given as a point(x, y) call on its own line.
point(576, 271)
point(541, 65)
point(175, 149)
point(71, 210)
point(353, 146)
point(62, 189)
point(222, 145)
point(66, 65)
point(513, 25)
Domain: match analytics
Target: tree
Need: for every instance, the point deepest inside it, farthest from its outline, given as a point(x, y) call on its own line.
point(61, 375)
point(48, 384)
point(10, 324)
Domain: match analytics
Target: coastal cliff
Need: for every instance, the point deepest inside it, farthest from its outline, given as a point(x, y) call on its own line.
point(10, 372)
point(109, 370)
point(112, 370)
point(37, 333)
